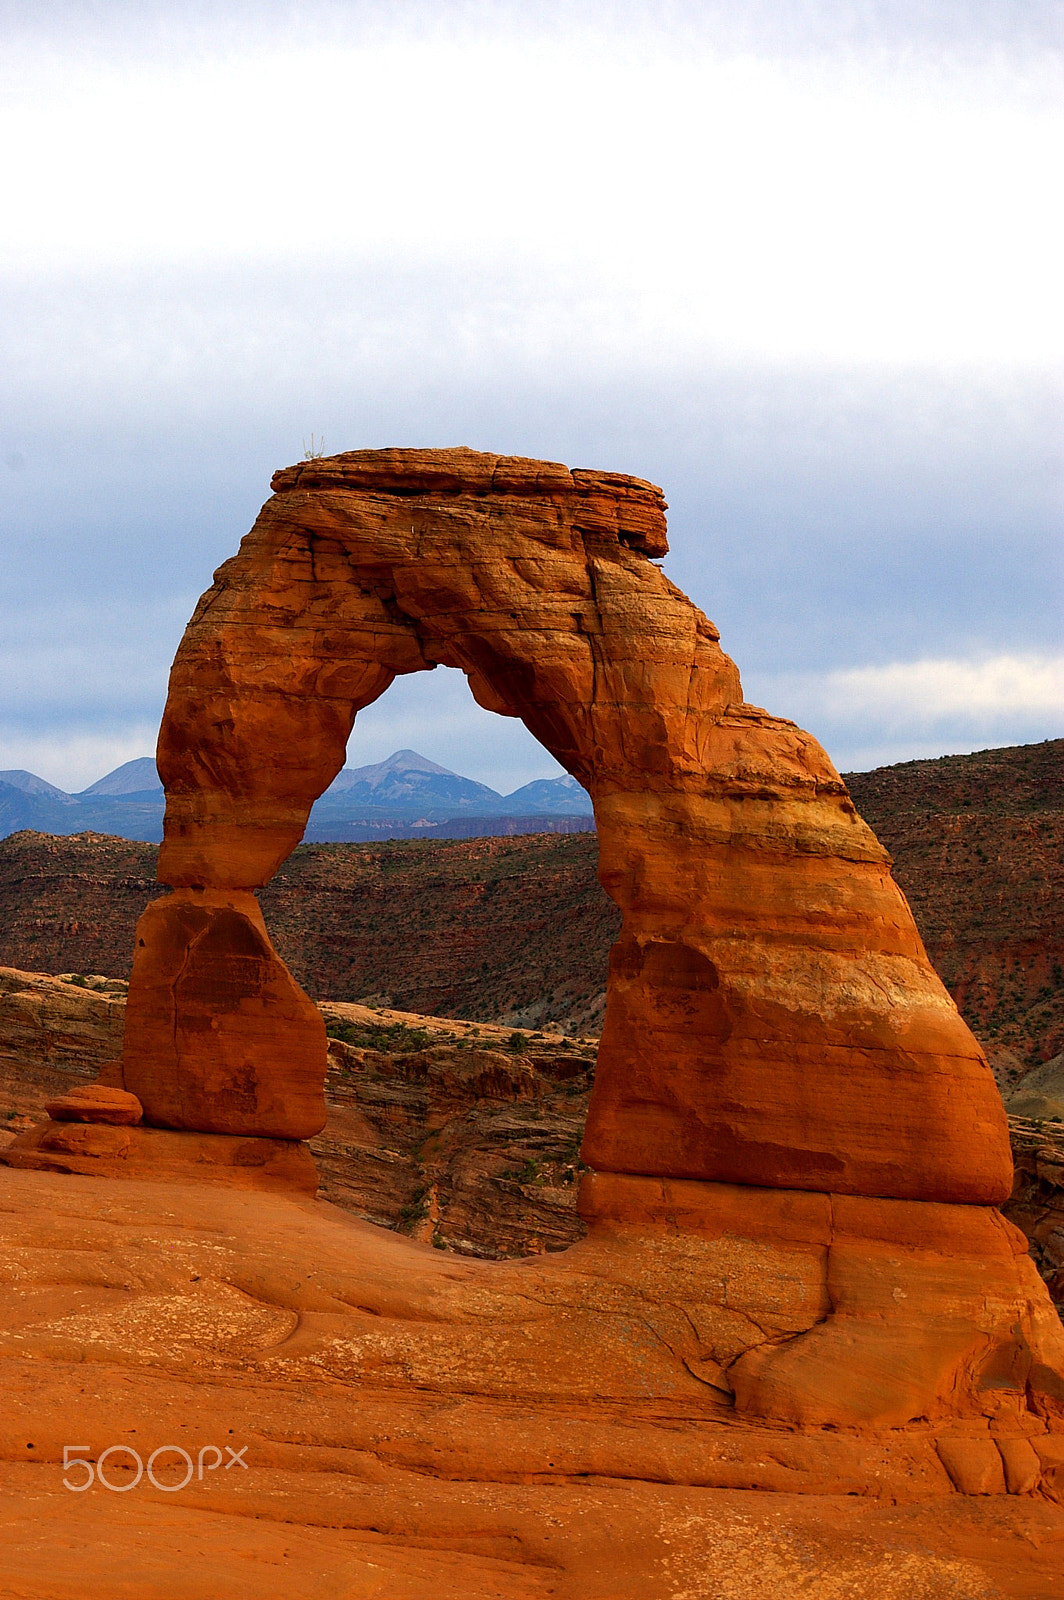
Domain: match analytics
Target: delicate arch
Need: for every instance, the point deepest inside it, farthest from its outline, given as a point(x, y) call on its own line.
point(772, 1017)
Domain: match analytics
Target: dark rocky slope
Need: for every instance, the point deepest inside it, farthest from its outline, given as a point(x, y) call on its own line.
point(978, 846)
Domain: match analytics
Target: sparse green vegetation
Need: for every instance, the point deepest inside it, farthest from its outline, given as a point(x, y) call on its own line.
point(415, 1211)
point(388, 1037)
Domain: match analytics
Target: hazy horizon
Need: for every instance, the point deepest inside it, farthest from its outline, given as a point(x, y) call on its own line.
point(361, 766)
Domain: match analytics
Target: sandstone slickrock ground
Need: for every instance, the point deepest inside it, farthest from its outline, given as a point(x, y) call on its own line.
point(142, 1316)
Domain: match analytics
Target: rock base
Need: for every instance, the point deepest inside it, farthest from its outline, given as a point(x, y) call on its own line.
point(414, 1423)
point(98, 1150)
point(834, 1311)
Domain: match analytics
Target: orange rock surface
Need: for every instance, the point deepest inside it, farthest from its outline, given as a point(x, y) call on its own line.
point(225, 1039)
point(96, 1102)
point(92, 1148)
point(772, 1017)
point(794, 1280)
point(415, 1425)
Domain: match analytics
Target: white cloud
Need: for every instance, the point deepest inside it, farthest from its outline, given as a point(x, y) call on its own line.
point(924, 691)
point(797, 262)
point(871, 716)
point(713, 199)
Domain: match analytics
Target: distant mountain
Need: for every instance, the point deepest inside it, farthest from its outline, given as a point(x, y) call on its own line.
point(22, 808)
point(385, 774)
point(407, 782)
point(29, 783)
point(127, 803)
point(132, 816)
point(132, 777)
point(550, 796)
point(407, 796)
point(411, 781)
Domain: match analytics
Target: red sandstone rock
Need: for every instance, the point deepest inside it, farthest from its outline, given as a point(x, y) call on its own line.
point(219, 1038)
point(772, 1016)
point(159, 1154)
point(96, 1102)
point(855, 1312)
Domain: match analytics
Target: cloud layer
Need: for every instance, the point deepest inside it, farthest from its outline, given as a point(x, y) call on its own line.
point(871, 716)
point(796, 263)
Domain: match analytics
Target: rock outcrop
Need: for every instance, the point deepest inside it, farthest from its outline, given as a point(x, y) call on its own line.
point(1039, 1094)
point(75, 1026)
point(459, 1134)
point(772, 1017)
point(1037, 1203)
point(797, 1145)
point(96, 1102)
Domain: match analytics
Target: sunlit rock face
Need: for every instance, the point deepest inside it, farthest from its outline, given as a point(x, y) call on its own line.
point(772, 1017)
point(796, 1145)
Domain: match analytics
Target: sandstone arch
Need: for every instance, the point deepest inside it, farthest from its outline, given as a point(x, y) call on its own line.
point(772, 1017)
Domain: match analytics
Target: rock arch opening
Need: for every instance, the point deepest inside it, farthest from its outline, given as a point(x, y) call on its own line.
point(824, 1055)
point(433, 715)
point(458, 888)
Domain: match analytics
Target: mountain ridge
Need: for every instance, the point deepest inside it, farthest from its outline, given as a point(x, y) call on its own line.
point(404, 796)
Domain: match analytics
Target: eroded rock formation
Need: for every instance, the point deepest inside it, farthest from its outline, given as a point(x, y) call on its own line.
point(772, 1016)
point(797, 1143)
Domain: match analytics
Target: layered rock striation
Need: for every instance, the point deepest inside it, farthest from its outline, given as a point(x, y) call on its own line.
point(772, 1017)
point(797, 1144)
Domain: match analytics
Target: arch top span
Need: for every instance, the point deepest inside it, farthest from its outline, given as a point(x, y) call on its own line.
point(772, 1018)
point(536, 581)
point(630, 507)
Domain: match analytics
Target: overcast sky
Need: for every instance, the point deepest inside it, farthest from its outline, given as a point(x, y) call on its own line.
point(798, 263)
